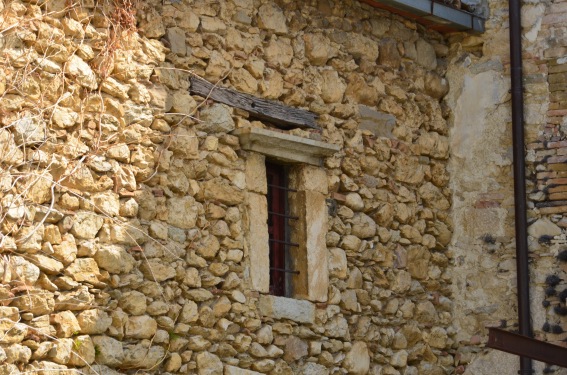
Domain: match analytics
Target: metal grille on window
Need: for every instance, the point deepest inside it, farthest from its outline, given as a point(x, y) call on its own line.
point(279, 230)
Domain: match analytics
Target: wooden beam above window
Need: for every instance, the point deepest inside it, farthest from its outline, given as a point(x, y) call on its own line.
point(278, 114)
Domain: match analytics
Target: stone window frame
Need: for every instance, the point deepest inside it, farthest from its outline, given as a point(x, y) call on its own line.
point(304, 157)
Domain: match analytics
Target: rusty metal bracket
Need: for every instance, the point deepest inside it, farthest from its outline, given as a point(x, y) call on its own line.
point(527, 347)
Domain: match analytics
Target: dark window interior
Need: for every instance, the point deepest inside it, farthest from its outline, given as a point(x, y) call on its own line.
point(278, 228)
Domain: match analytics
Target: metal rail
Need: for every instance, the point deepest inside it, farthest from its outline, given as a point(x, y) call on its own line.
point(527, 347)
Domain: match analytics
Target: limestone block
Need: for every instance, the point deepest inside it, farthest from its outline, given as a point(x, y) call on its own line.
point(337, 327)
point(208, 364)
point(12, 333)
point(79, 299)
point(114, 259)
point(17, 353)
point(434, 145)
point(332, 87)
point(287, 308)
point(433, 197)
point(9, 152)
point(38, 303)
point(61, 352)
point(389, 54)
point(217, 67)
point(357, 360)
point(426, 55)
point(233, 370)
point(543, 227)
point(435, 85)
point(318, 49)
point(256, 173)
point(133, 302)
point(66, 323)
point(363, 226)
point(279, 52)
point(156, 270)
point(107, 203)
point(360, 46)
point(243, 81)
point(29, 130)
point(176, 38)
point(94, 321)
point(81, 72)
point(311, 368)
point(66, 251)
point(23, 270)
point(86, 224)
point(141, 327)
point(83, 351)
point(271, 18)
point(295, 348)
point(183, 102)
point(216, 119)
point(311, 257)
point(109, 351)
point(47, 264)
point(258, 241)
point(311, 178)
point(337, 263)
point(182, 212)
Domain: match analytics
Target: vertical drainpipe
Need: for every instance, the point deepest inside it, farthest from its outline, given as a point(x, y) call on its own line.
point(522, 267)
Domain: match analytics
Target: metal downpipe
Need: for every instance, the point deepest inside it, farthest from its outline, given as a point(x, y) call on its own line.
point(520, 205)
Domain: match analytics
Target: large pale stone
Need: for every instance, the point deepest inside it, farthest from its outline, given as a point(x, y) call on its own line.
point(332, 87)
point(543, 227)
point(156, 270)
point(141, 327)
point(109, 351)
point(256, 173)
point(182, 212)
point(338, 266)
point(29, 130)
point(287, 308)
point(220, 190)
point(216, 119)
point(318, 49)
point(257, 209)
point(357, 360)
point(83, 353)
point(81, 72)
point(94, 321)
point(271, 18)
point(185, 143)
point(209, 364)
point(86, 224)
point(114, 259)
point(285, 147)
point(233, 370)
point(279, 52)
point(38, 303)
point(363, 226)
point(24, 270)
point(426, 56)
point(310, 258)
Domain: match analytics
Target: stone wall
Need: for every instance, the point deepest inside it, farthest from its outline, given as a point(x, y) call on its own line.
point(124, 245)
point(483, 240)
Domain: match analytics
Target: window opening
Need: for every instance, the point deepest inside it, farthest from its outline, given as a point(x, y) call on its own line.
point(279, 230)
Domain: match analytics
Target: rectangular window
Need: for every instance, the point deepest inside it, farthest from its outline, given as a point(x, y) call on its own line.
point(279, 230)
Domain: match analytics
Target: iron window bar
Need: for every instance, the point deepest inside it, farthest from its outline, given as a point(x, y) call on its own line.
point(290, 217)
point(279, 187)
point(284, 270)
point(284, 242)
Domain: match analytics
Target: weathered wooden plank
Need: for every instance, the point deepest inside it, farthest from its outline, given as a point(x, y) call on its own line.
point(276, 113)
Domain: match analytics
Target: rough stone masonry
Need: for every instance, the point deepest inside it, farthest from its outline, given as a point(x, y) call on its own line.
point(125, 200)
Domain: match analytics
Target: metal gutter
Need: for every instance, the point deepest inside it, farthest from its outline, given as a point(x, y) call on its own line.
point(520, 204)
point(432, 14)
